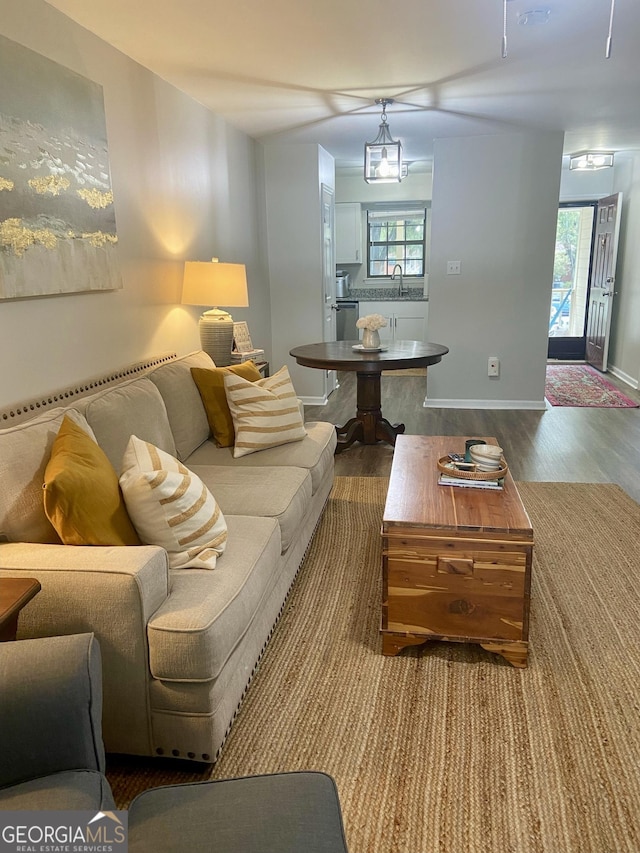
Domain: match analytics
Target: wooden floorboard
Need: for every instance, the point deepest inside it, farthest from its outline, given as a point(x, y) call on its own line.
point(559, 444)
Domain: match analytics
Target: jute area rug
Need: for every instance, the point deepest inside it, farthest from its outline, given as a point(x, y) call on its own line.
point(582, 385)
point(446, 748)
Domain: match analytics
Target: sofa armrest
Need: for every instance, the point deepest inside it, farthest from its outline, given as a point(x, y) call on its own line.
point(73, 572)
point(50, 707)
point(111, 592)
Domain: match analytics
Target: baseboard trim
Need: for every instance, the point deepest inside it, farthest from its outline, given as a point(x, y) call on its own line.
point(624, 377)
point(313, 401)
point(484, 404)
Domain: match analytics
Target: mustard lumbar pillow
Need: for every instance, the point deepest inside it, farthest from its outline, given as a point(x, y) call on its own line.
point(82, 498)
point(265, 413)
point(170, 506)
point(210, 382)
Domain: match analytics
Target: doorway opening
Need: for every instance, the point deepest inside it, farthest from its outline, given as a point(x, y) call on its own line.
point(575, 238)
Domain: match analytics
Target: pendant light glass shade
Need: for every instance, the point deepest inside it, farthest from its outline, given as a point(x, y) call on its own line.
point(383, 156)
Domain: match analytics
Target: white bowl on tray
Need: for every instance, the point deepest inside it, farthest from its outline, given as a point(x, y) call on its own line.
point(487, 457)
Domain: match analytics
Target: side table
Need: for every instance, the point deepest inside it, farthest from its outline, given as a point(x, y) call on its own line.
point(14, 594)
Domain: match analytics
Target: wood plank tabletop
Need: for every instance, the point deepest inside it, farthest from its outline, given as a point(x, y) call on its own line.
point(14, 594)
point(416, 499)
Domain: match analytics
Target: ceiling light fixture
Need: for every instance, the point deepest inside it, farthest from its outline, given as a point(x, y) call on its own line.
point(541, 16)
point(591, 161)
point(533, 17)
point(383, 157)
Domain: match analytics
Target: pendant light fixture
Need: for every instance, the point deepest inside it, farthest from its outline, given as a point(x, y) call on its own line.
point(383, 156)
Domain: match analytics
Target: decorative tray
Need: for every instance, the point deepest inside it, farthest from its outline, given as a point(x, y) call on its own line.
point(446, 466)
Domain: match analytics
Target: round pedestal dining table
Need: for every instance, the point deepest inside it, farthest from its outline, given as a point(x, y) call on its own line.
point(368, 426)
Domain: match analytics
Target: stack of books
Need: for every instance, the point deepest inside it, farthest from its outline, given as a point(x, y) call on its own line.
point(452, 480)
point(252, 355)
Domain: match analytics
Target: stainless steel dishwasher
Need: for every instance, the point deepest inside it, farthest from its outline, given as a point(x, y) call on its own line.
point(346, 316)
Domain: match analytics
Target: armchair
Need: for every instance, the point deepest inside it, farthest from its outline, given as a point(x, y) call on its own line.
point(50, 713)
point(53, 758)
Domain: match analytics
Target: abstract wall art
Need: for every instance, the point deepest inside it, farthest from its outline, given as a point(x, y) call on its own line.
point(57, 218)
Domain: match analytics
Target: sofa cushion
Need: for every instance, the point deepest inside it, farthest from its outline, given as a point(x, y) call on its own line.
point(171, 507)
point(185, 409)
point(25, 450)
point(280, 493)
point(211, 387)
point(314, 453)
point(82, 498)
point(132, 408)
point(265, 413)
point(193, 633)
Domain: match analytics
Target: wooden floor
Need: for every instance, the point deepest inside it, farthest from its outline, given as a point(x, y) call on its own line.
point(560, 444)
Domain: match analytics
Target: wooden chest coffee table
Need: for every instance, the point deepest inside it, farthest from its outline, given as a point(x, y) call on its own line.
point(456, 562)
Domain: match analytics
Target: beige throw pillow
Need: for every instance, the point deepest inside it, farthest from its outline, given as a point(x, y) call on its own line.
point(265, 413)
point(170, 506)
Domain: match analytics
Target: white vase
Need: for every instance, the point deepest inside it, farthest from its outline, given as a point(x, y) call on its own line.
point(370, 338)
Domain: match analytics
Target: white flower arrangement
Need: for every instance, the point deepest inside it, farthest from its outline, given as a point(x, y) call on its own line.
point(372, 322)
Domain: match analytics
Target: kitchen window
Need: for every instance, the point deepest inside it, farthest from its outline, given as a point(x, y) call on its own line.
point(396, 237)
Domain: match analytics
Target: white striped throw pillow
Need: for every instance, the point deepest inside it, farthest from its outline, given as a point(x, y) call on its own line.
point(265, 413)
point(170, 506)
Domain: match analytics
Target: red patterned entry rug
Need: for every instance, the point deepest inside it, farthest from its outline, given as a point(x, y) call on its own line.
point(583, 385)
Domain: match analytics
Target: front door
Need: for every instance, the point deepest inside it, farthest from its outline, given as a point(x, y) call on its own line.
point(603, 280)
point(571, 277)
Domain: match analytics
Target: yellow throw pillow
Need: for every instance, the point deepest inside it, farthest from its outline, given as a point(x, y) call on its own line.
point(210, 382)
point(82, 498)
point(265, 413)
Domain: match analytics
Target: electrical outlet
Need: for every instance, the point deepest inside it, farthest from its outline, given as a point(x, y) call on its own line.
point(493, 366)
point(453, 267)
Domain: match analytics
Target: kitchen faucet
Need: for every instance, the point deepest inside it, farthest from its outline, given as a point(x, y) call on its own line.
point(401, 288)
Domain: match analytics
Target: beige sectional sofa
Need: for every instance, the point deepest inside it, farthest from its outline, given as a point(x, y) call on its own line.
point(179, 646)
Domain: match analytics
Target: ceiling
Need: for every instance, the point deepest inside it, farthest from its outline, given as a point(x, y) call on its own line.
point(305, 71)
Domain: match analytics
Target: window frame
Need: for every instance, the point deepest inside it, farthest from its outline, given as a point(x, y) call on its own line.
point(378, 215)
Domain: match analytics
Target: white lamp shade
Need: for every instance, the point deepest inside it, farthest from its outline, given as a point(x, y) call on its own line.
point(213, 283)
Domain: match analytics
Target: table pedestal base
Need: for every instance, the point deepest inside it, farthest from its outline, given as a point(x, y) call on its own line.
point(368, 426)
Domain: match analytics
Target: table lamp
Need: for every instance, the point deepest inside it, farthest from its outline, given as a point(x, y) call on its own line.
point(213, 283)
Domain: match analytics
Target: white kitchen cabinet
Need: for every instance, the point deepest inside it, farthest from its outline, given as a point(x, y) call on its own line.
point(406, 321)
point(348, 233)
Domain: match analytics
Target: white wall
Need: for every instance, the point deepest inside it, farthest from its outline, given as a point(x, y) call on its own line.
point(293, 177)
point(624, 351)
point(185, 187)
point(494, 208)
point(351, 186)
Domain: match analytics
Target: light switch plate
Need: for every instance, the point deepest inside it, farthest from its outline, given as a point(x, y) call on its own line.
point(453, 267)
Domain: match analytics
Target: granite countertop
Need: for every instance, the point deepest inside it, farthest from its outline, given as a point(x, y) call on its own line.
point(385, 294)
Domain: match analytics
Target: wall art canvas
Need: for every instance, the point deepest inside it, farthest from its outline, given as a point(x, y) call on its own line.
point(57, 219)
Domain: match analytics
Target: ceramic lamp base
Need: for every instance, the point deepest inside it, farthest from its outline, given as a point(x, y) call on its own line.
point(216, 336)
